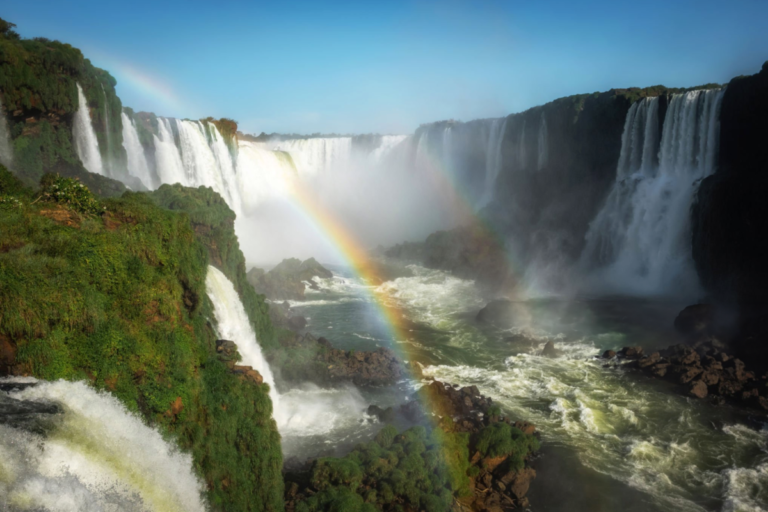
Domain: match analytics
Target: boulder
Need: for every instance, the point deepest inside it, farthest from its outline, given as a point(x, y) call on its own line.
point(699, 389)
point(631, 352)
point(550, 351)
point(649, 360)
point(500, 313)
point(609, 354)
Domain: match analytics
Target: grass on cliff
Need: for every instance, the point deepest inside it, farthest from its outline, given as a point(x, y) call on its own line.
point(118, 299)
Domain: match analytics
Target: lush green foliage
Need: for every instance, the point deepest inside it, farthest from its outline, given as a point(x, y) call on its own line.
point(70, 192)
point(502, 439)
point(213, 222)
point(412, 469)
point(38, 82)
point(120, 302)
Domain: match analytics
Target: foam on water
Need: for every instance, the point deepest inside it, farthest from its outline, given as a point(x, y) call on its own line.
point(646, 437)
point(98, 457)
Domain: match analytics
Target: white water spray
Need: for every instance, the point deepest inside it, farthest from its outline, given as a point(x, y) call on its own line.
point(305, 412)
point(493, 157)
point(640, 240)
point(137, 160)
point(168, 164)
point(98, 457)
point(86, 143)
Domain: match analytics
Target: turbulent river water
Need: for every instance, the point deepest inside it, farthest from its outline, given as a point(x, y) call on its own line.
point(612, 440)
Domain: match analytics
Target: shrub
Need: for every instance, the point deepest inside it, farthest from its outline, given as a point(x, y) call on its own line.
point(71, 193)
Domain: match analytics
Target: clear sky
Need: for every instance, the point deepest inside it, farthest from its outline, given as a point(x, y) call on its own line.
point(388, 66)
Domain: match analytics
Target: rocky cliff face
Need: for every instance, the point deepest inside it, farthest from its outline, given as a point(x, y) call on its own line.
point(730, 218)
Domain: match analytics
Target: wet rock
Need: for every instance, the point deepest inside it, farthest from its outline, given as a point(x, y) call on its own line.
point(550, 351)
point(660, 370)
point(248, 374)
point(609, 354)
point(297, 323)
point(631, 352)
point(384, 415)
point(699, 389)
point(649, 360)
point(286, 280)
point(501, 313)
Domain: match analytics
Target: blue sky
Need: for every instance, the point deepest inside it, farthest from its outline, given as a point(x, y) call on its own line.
point(388, 66)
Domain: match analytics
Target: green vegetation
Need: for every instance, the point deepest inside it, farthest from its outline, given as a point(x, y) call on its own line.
point(502, 440)
point(414, 470)
point(70, 192)
point(214, 225)
point(38, 82)
point(118, 299)
point(389, 473)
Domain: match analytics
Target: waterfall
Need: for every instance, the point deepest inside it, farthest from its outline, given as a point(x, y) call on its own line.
point(6, 152)
point(202, 166)
point(304, 412)
point(388, 144)
point(493, 157)
point(234, 325)
point(93, 455)
point(640, 241)
point(86, 143)
point(107, 163)
point(168, 164)
point(522, 156)
point(137, 160)
point(262, 174)
point(316, 155)
point(543, 145)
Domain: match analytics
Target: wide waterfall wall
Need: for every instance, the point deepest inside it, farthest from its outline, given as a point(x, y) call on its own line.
point(640, 242)
point(316, 155)
point(86, 143)
point(95, 455)
point(467, 154)
point(6, 152)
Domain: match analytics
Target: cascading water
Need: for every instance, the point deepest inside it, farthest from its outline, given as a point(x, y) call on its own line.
point(6, 153)
point(107, 165)
point(168, 164)
point(262, 174)
point(493, 157)
point(640, 240)
point(137, 160)
point(93, 455)
point(543, 143)
point(388, 144)
point(86, 143)
point(316, 155)
point(304, 412)
point(202, 166)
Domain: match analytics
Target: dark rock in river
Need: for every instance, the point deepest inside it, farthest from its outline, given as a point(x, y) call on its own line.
point(501, 313)
point(287, 279)
point(549, 350)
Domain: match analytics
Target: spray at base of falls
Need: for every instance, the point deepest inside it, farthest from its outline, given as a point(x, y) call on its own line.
point(98, 457)
point(86, 143)
point(310, 411)
point(640, 240)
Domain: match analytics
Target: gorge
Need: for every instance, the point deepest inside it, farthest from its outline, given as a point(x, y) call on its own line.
point(471, 274)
